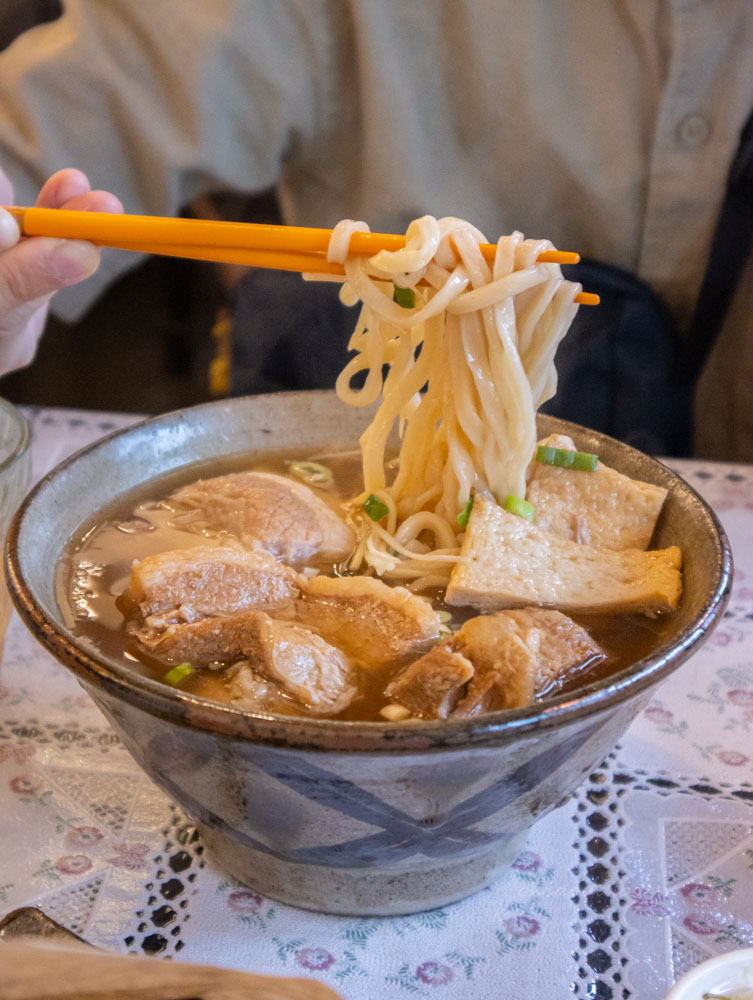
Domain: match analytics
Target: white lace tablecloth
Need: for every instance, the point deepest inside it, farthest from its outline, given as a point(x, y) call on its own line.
point(645, 872)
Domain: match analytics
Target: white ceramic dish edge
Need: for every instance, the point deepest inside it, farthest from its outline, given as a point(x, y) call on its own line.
point(732, 970)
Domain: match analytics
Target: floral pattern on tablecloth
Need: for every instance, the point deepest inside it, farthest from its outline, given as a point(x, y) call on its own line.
point(613, 895)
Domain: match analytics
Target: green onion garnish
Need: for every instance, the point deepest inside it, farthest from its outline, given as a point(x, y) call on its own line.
point(464, 514)
point(521, 507)
point(375, 508)
point(566, 458)
point(177, 674)
point(404, 297)
point(311, 472)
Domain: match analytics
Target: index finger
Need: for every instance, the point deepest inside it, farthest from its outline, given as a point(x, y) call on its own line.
point(62, 187)
point(70, 189)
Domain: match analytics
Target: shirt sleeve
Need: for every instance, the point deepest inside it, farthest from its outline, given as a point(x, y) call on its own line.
point(157, 102)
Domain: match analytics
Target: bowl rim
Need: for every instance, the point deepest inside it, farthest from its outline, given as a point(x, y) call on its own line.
point(494, 728)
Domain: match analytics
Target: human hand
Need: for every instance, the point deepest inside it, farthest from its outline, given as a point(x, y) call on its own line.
point(32, 270)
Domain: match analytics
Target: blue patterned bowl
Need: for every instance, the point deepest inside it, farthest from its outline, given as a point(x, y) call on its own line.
point(345, 817)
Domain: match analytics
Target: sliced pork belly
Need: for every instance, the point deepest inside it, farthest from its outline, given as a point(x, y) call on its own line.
point(431, 687)
point(374, 622)
point(265, 511)
point(559, 643)
point(510, 562)
point(602, 508)
point(312, 671)
point(277, 656)
point(504, 659)
point(505, 680)
point(208, 640)
point(249, 689)
point(516, 654)
point(186, 584)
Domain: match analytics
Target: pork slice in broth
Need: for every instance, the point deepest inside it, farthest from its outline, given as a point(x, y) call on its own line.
point(265, 511)
point(371, 621)
point(559, 644)
point(186, 584)
point(249, 690)
point(209, 640)
point(505, 659)
point(518, 653)
point(306, 666)
point(432, 685)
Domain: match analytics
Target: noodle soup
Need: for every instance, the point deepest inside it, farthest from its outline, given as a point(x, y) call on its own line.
point(94, 576)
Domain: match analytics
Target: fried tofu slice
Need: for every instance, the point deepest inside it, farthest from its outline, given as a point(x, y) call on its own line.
point(265, 511)
point(601, 508)
point(504, 659)
point(510, 562)
point(368, 619)
point(191, 583)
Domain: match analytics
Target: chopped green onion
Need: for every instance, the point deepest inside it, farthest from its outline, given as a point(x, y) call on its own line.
point(404, 297)
point(375, 508)
point(179, 673)
point(311, 472)
point(566, 458)
point(464, 514)
point(516, 505)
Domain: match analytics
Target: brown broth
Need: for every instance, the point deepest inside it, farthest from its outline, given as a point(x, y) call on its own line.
point(95, 573)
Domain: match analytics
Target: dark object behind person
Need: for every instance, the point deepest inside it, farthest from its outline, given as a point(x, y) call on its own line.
point(17, 16)
point(619, 366)
point(624, 367)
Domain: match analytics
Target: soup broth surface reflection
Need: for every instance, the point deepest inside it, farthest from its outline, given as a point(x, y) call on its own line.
point(94, 576)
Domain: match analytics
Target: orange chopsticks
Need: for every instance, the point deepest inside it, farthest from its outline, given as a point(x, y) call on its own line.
point(286, 248)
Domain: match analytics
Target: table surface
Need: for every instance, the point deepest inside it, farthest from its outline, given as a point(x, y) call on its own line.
point(646, 871)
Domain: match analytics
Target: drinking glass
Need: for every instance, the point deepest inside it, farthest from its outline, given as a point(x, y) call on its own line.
point(15, 473)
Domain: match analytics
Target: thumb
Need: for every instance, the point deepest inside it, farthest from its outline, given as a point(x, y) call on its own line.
point(37, 267)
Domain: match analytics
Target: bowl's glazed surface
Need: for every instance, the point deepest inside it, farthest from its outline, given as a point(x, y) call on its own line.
point(346, 817)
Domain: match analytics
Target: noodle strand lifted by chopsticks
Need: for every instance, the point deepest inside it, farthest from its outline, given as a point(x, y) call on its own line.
point(466, 369)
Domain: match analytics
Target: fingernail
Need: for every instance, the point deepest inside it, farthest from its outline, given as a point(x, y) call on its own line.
point(8, 230)
point(73, 260)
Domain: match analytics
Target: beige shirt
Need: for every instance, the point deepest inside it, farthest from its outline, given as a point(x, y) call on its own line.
point(606, 125)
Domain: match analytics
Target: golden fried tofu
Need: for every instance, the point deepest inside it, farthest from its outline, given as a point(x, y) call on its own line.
point(602, 508)
point(510, 562)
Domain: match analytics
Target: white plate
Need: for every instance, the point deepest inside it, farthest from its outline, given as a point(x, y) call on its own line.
point(721, 975)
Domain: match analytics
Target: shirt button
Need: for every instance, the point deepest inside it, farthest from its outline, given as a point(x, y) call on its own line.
point(694, 130)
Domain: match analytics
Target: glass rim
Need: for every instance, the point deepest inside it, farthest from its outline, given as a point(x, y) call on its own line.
point(24, 431)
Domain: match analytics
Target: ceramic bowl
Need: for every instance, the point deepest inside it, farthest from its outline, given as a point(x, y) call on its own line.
point(345, 817)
